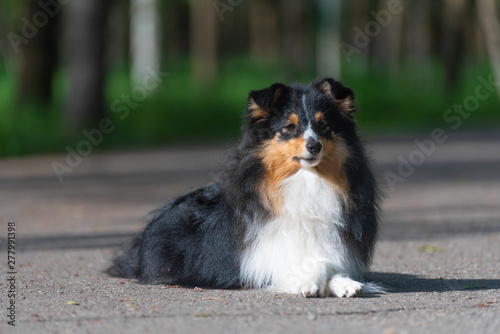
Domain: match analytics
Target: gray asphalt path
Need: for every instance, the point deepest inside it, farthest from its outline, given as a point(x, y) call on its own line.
point(438, 254)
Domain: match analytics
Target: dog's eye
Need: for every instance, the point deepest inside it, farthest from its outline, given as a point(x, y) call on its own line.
point(290, 127)
point(322, 125)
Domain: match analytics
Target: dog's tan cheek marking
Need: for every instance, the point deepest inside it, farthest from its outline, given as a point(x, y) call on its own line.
point(331, 167)
point(277, 157)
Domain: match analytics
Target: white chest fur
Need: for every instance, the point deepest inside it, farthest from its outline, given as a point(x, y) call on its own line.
point(303, 245)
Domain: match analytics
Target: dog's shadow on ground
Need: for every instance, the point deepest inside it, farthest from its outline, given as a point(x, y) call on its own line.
point(406, 283)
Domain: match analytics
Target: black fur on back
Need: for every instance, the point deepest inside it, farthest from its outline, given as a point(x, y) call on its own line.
point(188, 242)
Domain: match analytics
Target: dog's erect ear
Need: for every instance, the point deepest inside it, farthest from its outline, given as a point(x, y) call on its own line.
point(341, 95)
point(261, 102)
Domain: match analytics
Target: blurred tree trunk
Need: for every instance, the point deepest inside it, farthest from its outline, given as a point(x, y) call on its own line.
point(437, 27)
point(297, 44)
point(328, 38)
point(118, 47)
point(358, 14)
point(144, 38)
point(86, 33)
point(263, 30)
point(39, 58)
point(453, 39)
point(175, 25)
point(367, 8)
point(387, 46)
point(491, 30)
point(417, 30)
point(203, 41)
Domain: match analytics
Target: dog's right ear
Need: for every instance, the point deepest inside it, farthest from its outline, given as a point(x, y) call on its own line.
point(261, 102)
point(341, 95)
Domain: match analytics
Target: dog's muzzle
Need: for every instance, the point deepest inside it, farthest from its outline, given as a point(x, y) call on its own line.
point(313, 153)
point(313, 146)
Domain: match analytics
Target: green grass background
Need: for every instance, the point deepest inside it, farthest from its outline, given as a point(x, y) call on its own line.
point(411, 99)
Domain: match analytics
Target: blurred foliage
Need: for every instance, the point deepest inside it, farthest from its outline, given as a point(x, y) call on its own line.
point(419, 62)
point(409, 100)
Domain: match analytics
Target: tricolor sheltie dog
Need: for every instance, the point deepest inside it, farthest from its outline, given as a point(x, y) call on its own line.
point(296, 211)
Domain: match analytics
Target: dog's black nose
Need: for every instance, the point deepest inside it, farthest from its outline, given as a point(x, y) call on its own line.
point(313, 146)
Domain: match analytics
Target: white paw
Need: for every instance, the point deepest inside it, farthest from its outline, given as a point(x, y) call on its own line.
point(310, 279)
point(344, 287)
point(310, 289)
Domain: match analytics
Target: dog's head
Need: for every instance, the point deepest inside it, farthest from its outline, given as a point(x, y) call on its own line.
point(299, 126)
point(302, 125)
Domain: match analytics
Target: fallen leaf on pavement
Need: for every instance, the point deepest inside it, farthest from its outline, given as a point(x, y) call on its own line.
point(203, 315)
point(426, 248)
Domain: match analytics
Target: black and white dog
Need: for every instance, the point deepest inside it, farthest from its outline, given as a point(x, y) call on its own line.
point(297, 211)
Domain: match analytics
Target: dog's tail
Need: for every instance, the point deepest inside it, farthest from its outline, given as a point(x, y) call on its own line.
point(127, 264)
point(373, 288)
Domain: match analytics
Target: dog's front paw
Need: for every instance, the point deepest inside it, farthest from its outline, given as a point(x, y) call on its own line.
point(344, 287)
point(309, 290)
point(309, 278)
point(306, 288)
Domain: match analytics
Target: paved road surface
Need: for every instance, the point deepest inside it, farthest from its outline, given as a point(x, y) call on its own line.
point(439, 251)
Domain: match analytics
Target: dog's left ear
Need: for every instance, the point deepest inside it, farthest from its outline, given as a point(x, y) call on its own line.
point(341, 95)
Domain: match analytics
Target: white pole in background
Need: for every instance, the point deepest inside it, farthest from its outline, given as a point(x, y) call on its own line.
point(328, 38)
point(144, 38)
